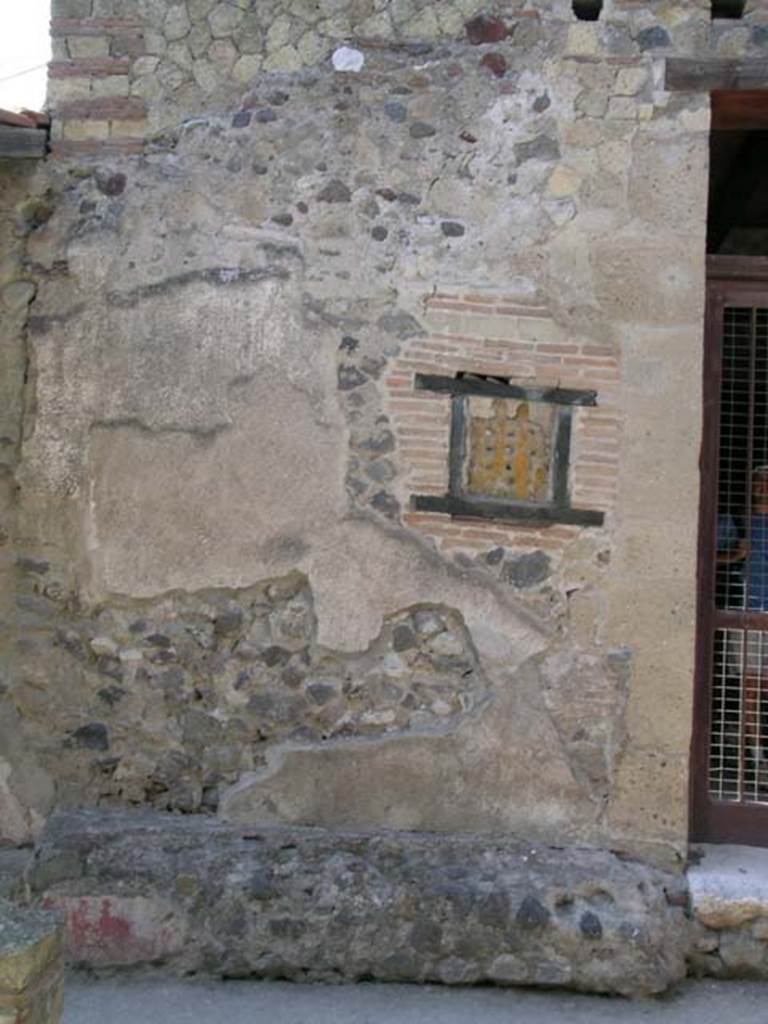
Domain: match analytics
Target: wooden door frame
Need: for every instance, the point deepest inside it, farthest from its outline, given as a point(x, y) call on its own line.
point(729, 279)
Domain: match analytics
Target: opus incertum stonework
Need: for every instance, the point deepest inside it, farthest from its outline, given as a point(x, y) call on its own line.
point(350, 414)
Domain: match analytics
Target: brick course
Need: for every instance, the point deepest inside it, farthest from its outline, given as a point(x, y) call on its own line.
point(93, 112)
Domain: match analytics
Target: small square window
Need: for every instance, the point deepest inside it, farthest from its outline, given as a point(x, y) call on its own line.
point(509, 451)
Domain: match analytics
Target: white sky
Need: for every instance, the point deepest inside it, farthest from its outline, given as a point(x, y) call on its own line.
point(24, 44)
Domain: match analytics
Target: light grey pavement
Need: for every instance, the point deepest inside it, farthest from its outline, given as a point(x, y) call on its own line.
point(149, 1001)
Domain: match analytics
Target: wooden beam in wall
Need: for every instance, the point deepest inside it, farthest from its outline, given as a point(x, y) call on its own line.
point(683, 74)
point(24, 143)
point(743, 110)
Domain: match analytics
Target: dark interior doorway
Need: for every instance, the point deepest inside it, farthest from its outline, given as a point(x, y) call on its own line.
point(730, 752)
point(737, 220)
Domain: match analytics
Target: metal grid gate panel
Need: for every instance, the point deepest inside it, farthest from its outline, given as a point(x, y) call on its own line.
point(737, 748)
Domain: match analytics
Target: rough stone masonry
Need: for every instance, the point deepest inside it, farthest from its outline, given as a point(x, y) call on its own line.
point(31, 965)
point(259, 225)
point(314, 905)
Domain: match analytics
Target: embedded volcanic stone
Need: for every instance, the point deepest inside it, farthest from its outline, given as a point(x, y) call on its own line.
point(485, 29)
point(31, 965)
point(495, 63)
point(350, 377)
point(540, 148)
point(112, 184)
point(421, 130)
point(527, 570)
point(653, 38)
point(93, 736)
point(395, 111)
point(532, 914)
point(197, 894)
point(335, 192)
point(590, 925)
point(403, 638)
point(321, 693)
point(401, 324)
point(387, 504)
point(228, 622)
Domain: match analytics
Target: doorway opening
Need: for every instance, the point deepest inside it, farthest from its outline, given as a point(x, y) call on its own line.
point(730, 753)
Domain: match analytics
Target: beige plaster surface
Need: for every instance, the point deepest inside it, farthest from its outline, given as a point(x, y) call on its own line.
point(502, 770)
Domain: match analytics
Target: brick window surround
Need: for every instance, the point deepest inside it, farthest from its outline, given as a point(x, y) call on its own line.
point(495, 335)
point(458, 501)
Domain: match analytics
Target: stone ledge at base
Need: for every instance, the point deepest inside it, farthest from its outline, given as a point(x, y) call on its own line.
point(729, 899)
point(197, 895)
point(31, 965)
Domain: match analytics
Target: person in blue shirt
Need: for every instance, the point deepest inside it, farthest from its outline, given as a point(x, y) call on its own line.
point(756, 554)
point(752, 549)
point(748, 649)
point(729, 586)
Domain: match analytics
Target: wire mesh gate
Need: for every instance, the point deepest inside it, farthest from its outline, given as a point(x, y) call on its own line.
point(730, 756)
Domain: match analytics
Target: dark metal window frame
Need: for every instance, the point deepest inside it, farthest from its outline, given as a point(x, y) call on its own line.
point(458, 503)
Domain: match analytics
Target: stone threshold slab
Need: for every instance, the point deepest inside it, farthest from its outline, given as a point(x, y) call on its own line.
point(728, 884)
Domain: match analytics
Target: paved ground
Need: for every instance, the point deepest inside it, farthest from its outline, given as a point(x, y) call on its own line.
point(137, 1001)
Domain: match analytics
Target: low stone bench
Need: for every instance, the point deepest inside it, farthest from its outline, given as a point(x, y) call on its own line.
point(198, 895)
point(31, 965)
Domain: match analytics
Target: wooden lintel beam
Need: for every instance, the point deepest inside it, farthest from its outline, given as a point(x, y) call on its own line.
point(22, 143)
point(492, 388)
point(740, 110)
point(488, 508)
point(737, 268)
point(684, 74)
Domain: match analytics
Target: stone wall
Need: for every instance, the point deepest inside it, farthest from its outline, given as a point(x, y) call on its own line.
point(223, 597)
point(185, 694)
point(122, 69)
point(25, 204)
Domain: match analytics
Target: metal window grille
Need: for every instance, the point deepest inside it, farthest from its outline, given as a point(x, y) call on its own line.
point(738, 746)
